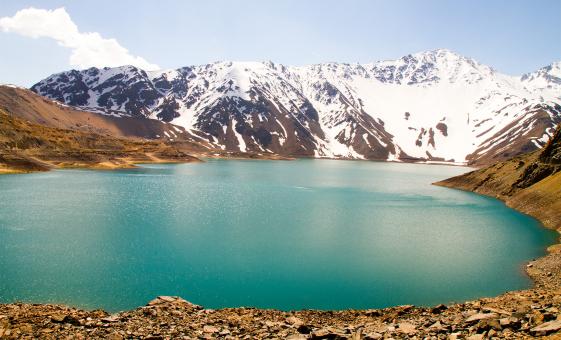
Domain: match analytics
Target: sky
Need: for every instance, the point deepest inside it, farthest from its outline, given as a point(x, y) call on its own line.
point(50, 36)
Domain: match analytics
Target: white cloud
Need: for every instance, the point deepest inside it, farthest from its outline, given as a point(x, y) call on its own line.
point(88, 49)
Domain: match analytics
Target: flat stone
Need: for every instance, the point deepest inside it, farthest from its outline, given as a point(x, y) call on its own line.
point(168, 298)
point(165, 299)
point(292, 320)
point(509, 322)
point(304, 329)
point(296, 337)
point(438, 309)
point(326, 333)
point(547, 327)
point(407, 328)
point(487, 324)
point(481, 316)
point(111, 318)
point(437, 327)
point(58, 318)
point(475, 337)
point(210, 329)
point(271, 323)
point(373, 336)
point(496, 310)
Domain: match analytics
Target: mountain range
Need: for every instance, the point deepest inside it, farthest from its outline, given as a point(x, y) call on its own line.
point(429, 106)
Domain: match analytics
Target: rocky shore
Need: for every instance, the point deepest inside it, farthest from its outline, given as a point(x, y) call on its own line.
point(515, 315)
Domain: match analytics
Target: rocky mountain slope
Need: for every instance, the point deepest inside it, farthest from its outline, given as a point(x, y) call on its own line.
point(27, 147)
point(29, 106)
point(434, 105)
point(530, 183)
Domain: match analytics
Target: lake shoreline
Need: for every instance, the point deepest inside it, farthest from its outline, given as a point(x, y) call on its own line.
point(131, 163)
point(514, 314)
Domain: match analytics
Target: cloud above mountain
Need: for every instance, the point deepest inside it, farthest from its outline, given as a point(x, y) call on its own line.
point(88, 48)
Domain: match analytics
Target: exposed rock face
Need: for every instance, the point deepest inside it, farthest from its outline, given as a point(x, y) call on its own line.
point(434, 105)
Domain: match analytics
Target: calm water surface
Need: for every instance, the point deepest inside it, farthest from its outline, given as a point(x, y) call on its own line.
point(304, 234)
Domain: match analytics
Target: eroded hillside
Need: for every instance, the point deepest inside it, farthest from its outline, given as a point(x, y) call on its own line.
point(26, 147)
point(530, 183)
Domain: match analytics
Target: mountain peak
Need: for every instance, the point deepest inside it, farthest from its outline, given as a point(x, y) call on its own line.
point(429, 67)
point(546, 77)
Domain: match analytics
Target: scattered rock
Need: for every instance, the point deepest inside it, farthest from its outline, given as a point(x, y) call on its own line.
point(515, 315)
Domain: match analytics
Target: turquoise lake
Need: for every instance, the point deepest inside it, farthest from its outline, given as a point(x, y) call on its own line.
point(318, 234)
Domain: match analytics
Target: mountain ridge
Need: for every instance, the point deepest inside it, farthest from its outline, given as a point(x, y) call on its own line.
point(428, 106)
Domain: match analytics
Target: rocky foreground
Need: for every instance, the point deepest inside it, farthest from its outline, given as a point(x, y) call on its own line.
point(515, 315)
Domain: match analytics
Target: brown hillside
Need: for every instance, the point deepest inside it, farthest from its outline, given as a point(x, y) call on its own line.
point(530, 183)
point(26, 147)
point(34, 108)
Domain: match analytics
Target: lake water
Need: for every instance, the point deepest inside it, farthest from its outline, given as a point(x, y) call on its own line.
point(316, 234)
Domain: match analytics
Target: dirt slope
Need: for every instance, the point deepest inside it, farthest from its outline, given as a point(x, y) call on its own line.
point(34, 108)
point(26, 147)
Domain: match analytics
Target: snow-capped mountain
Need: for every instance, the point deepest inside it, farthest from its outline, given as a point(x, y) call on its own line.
point(434, 105)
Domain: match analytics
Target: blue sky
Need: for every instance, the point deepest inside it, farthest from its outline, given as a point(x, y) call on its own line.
point(512, 36)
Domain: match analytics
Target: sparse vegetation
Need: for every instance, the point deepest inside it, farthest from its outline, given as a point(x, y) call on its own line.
point(27, 147)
